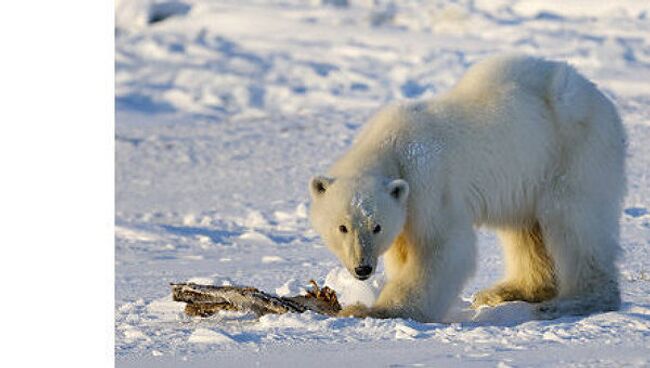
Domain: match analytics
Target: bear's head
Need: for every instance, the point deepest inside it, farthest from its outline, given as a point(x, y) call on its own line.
point(358, 217)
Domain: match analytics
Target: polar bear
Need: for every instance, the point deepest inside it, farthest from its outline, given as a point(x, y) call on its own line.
point(523, 145)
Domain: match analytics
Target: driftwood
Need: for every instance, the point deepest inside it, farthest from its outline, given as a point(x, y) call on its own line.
point(206, 300)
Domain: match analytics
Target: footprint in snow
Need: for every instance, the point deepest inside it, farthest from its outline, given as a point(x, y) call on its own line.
point(636, 211)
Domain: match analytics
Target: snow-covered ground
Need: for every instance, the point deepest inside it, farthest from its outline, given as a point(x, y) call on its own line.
point(226, 108)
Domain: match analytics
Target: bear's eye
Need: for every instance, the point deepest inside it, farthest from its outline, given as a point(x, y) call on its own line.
point(376, 229)
point(343, 229)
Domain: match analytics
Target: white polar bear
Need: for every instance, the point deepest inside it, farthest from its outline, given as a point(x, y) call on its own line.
point(520, 144)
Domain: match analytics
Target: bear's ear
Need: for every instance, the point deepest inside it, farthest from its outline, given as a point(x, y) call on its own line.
point(398, 189)
point(319, 184)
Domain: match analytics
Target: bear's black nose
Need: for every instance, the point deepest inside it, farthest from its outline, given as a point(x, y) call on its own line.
point(363, 271)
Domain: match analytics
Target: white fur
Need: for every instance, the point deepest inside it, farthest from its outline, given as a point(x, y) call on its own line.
point(520, 144)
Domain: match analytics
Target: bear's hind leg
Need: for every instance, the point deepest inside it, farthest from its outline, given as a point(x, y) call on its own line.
point(529, 269)
point(582, 238)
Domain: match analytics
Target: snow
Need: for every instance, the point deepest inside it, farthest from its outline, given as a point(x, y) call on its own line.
point(225, 109)
point(208, 336)
point(350, 290)
point(364, 206)
point(291, 287)
point(272, 259)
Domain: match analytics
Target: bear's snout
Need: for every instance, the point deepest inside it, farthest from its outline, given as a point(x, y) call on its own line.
point(363, 272)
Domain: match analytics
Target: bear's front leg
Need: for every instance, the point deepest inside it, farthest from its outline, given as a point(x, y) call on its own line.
point(426, 283)
point(402, 298)
point(397, 300)
point(355, 310)
point(361, 311)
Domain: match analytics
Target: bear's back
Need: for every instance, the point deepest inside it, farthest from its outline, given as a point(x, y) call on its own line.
point(502, 73)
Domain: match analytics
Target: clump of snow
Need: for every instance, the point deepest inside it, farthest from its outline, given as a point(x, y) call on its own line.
point(307, 321)
point(132, 333)
point(193, 257)
point(204, 240)
point(290, 288)
point(349, 290)
point(272, 259)
point(404, 332)
point(421, 154)
point(201, 280)
point(131, 14)
point(126, 308)
point(255, 237)
point(165, 309)
point(209, 336)
point(189, 219)
point(135, 235)
point(165, 305)
point(301, 210)
point(291, 220)
point(283, 216)
point(215, 279)
point(364, 205)
point(255, 219)
point(135, 334)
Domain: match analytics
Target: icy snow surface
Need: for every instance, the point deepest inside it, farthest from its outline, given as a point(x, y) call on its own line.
point(226, 108)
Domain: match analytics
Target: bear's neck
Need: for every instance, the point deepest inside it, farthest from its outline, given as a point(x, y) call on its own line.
point(367, 161)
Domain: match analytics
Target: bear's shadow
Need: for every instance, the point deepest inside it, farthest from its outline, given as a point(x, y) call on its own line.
point(216, 236)
point(512, 314)
point(506, 315)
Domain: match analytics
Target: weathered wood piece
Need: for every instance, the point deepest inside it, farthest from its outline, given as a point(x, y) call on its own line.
point(206, 300)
